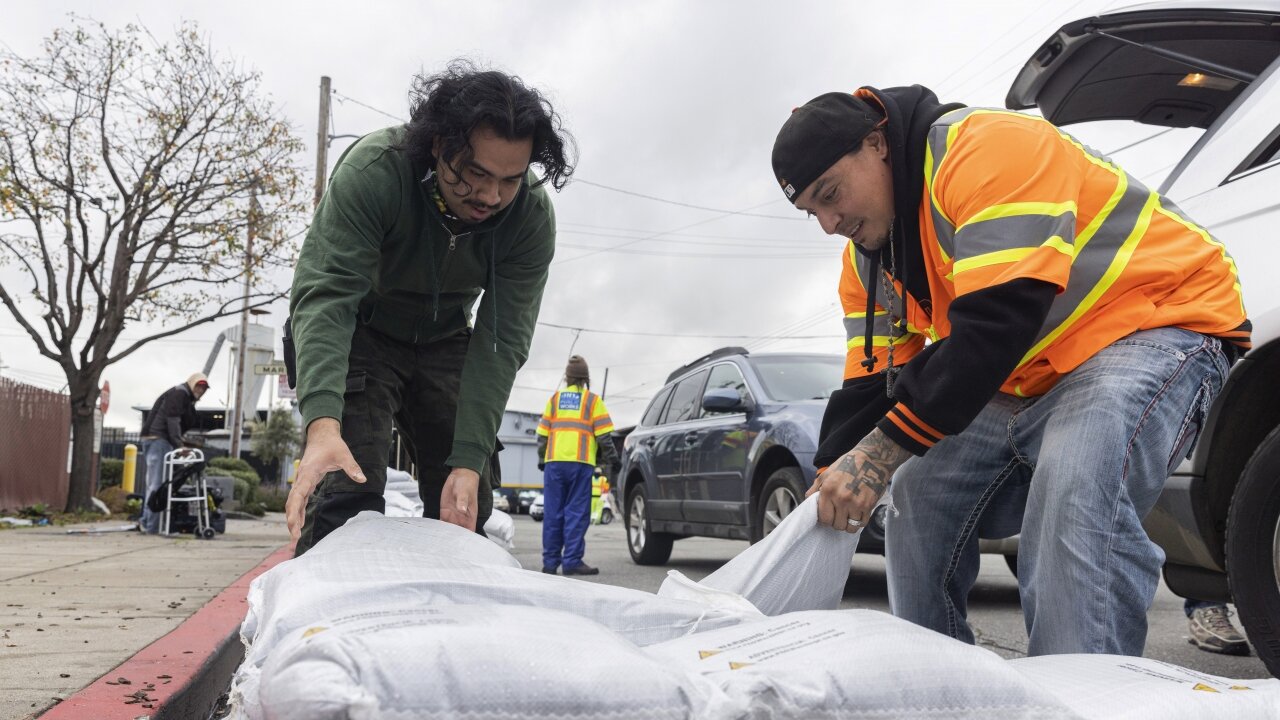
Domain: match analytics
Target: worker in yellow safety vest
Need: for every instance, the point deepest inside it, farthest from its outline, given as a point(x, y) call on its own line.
point(599, 488)
point(574, 426)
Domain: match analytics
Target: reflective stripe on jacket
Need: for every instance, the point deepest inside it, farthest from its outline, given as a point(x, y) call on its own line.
point(1011, 196)
point(574, 417)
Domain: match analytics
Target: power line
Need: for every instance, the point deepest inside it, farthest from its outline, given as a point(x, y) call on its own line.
point(682, 335)
point(725, 255)
point(689, 205)
point(736, 239)
point(366, 106)
point(1015, 47)
point(1006, 33)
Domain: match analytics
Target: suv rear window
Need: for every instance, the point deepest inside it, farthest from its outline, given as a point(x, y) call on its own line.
point(684, 400)
point(787, 379)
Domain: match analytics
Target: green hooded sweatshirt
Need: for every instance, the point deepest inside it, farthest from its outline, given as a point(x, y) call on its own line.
point(378, 249)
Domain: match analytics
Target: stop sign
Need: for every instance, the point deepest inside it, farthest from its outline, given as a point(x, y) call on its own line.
point(105, 397)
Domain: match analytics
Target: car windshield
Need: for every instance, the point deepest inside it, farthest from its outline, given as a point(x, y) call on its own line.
point(786, 379)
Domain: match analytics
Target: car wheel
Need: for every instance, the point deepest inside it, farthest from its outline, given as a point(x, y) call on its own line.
point(646, 546)
point(782, 493)
point(606, 516)
point(1253, 550)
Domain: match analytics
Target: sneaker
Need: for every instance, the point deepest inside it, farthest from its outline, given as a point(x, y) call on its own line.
point(1212, 631)
point(549, 570)
point(583, 569)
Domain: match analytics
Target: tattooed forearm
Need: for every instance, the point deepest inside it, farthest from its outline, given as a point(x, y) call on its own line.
point(872, 463)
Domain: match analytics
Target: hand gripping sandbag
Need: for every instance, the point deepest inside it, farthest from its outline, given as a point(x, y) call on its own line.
point(475, 662)
point(854, 664)
point(1128, 688)
point(798, 566)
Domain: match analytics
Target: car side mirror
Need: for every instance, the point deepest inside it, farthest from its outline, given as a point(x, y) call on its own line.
point(723, 400)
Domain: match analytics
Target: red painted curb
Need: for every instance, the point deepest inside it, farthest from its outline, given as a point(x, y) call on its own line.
point(168, 665)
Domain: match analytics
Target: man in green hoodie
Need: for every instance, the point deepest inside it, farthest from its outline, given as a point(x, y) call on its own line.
point(418, 221)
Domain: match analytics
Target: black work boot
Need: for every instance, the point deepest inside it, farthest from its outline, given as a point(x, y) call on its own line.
point(583, 569)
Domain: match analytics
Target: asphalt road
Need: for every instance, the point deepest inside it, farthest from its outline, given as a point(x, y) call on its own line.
point(994, 610)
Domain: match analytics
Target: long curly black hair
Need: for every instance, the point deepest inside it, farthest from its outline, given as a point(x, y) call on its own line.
point(451, 104)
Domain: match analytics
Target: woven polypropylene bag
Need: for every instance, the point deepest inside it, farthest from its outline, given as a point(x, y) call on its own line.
point(1129, 688)
point(481, 662)
point(799, 566)
point(854, 664)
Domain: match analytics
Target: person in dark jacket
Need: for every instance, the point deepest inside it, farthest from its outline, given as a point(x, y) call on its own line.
point(416, 295)
point(173, 413)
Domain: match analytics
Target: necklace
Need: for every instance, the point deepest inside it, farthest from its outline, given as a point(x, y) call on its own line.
point(893, 305)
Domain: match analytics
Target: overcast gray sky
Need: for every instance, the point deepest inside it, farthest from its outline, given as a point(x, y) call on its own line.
point(674, 100)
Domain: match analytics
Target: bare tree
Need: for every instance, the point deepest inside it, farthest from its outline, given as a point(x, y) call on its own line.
point(127, 168)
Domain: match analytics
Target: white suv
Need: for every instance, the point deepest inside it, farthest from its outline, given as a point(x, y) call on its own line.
point(1214, 66)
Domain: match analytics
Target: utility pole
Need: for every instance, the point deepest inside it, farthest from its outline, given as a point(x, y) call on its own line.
point(237, 422)
point(322, 139)
point(605, 386)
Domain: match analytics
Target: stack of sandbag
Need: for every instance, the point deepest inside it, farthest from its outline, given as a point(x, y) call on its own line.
point(411, 563)
point(413, 618)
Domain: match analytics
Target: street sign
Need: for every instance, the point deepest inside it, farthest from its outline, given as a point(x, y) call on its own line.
point(275, 367)
point(105, 397)
point(283, 391)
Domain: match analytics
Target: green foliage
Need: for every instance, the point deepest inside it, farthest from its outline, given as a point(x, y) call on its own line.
point(277, 438)
point(111, 474)
point(273, 499)
point(234, 465)
point(116, 499)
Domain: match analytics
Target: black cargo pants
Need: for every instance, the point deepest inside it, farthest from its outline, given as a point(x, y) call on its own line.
point(415, 388)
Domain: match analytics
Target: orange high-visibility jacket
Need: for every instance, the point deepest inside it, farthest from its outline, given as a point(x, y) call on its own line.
point(1010, 196)
point(574, 417)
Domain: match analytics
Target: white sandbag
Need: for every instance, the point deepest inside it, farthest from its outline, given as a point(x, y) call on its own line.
point(400, 505)
point(501, 529)
point(403, 483)
point(415, 562)
point(854, 664)
point(798, 566)
point(1129, 688)
point(478, 662)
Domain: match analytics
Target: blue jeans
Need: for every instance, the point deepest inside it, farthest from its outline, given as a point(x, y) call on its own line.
point(154, 451)
point(566, 507)
point(1189, 606)
point(1074, 471)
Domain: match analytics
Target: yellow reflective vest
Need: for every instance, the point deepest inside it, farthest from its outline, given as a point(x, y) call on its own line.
point(573, 419)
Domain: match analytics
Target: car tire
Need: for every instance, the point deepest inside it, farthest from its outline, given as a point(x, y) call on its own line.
point(1253, 550)
point(782, 493)
point(646, 546)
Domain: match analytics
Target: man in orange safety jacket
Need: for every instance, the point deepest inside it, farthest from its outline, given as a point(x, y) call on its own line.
point(1034, 338)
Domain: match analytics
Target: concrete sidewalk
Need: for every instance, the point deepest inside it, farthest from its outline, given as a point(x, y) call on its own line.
point(73, 607)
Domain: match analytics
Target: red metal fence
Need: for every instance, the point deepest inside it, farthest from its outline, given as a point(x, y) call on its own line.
point(35, 429)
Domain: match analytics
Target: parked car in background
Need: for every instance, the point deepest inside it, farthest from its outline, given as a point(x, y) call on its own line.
point(535, 508)
point(500, 502)
point(1214, 66)
point(725, 449)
